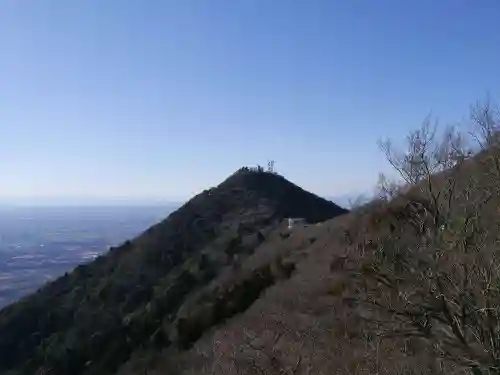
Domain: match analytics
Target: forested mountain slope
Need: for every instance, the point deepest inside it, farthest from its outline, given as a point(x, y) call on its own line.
point(133, 299)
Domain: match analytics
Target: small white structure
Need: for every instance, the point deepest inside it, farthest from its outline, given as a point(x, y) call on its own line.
point(296, 221)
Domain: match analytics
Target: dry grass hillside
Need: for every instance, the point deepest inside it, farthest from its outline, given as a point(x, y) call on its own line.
point(406, 284)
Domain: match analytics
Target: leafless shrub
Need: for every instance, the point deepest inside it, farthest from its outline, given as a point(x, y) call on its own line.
point(435, 273)
point(485, 130)
point(485, 121)
point(357, 202)
point(387, 188)
point(426, 156)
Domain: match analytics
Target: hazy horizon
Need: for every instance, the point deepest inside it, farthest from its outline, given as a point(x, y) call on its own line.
point(342, 200)
point(84, 201)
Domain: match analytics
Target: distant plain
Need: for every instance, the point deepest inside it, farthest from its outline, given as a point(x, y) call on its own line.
point(40, 243)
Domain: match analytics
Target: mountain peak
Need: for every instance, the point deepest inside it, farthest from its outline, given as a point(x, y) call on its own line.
point(286, 198)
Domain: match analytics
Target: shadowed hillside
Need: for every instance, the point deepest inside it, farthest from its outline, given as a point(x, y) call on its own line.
point(93, 319)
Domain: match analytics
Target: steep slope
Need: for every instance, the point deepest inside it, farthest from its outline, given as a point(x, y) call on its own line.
point(93, 319)
point(407, 286)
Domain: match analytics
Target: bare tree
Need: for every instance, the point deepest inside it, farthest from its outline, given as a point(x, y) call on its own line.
point(485, 130)
point(435, 272)
point(425, 156)
point(357, 202)
point(485, 118)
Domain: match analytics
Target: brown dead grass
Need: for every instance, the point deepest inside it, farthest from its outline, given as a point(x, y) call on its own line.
point(305, 324)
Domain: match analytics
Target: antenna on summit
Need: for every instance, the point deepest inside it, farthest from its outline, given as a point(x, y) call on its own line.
point(270, 166)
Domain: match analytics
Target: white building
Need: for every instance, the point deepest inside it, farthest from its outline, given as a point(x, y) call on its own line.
point(296, 221)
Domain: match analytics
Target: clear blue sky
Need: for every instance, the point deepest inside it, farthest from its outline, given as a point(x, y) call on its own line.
point(161, 99)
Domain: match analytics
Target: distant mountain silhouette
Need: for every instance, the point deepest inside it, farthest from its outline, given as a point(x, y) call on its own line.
point(95, 318)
